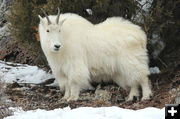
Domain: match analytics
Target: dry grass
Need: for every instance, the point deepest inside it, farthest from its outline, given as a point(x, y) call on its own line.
point(4, 106)
point(2, 88)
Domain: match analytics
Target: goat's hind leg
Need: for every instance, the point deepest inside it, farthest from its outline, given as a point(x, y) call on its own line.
point(134, 92)
point(122, 82)
point(146, 89)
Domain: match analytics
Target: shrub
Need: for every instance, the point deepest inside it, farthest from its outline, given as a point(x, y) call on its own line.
point(162, 18)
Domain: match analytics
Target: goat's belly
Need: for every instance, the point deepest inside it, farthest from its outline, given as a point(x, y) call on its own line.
point(102, 63)
point(101, 78)
point(101, 74)
point(102, 67)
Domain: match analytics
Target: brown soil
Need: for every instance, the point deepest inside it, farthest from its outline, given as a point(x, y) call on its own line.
point(12, 50)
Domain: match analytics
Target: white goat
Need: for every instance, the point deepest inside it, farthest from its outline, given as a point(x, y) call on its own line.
point(79, 51)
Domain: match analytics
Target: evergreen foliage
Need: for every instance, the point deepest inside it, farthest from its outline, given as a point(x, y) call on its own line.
point(163, 18)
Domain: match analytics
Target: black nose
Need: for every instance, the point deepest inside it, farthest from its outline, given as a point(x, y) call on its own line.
point(57, 46)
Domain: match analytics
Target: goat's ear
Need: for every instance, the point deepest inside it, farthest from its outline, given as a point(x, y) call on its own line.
point(41, 19)
point(61, 23)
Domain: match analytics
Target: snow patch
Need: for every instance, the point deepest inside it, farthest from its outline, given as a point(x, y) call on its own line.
point(89, 11)
point(146, 4)
point(91, 113)
point(144, 8)
point(154, 70)
point(22, 73)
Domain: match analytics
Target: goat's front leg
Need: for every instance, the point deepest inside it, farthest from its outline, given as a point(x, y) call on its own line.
point(67, 92)
point(76, 85)
point(74, 91)
point(64, 86)
point(77, 80)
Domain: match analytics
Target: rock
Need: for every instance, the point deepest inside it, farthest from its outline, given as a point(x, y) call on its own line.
point(2, 88)
point(4, 111)
point(145, 7)
point(4, 29)
point(4, 5)
point(177, 100)
point(89, 11)
point(103, 95)
point(4, 32)
point(4, 99)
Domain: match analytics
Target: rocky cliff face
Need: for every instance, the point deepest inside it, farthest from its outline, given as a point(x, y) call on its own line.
point(4, 7)
point(10, 48)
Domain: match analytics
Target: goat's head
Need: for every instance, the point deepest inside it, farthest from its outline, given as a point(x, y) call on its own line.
point(52, 30)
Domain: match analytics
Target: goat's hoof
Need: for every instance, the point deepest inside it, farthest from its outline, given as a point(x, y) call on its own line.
point(148, 97)
point(72, 98)
point(65, 98)
point(133, 99)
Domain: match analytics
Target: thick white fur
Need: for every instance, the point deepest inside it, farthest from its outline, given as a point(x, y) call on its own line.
point(114, 49)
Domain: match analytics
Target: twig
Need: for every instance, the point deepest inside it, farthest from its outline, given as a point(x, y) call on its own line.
point(162, 62)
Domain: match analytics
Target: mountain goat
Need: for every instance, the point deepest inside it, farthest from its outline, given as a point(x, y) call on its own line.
point(79, 51)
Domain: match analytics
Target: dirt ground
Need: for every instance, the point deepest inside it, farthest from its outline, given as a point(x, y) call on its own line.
point(165, 88)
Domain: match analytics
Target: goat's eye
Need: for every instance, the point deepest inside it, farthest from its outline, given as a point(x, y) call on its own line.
point(59, 30)
point(47, 30)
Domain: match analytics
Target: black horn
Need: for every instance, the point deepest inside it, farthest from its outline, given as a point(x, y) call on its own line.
point(49, 22)
point(58, 15)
